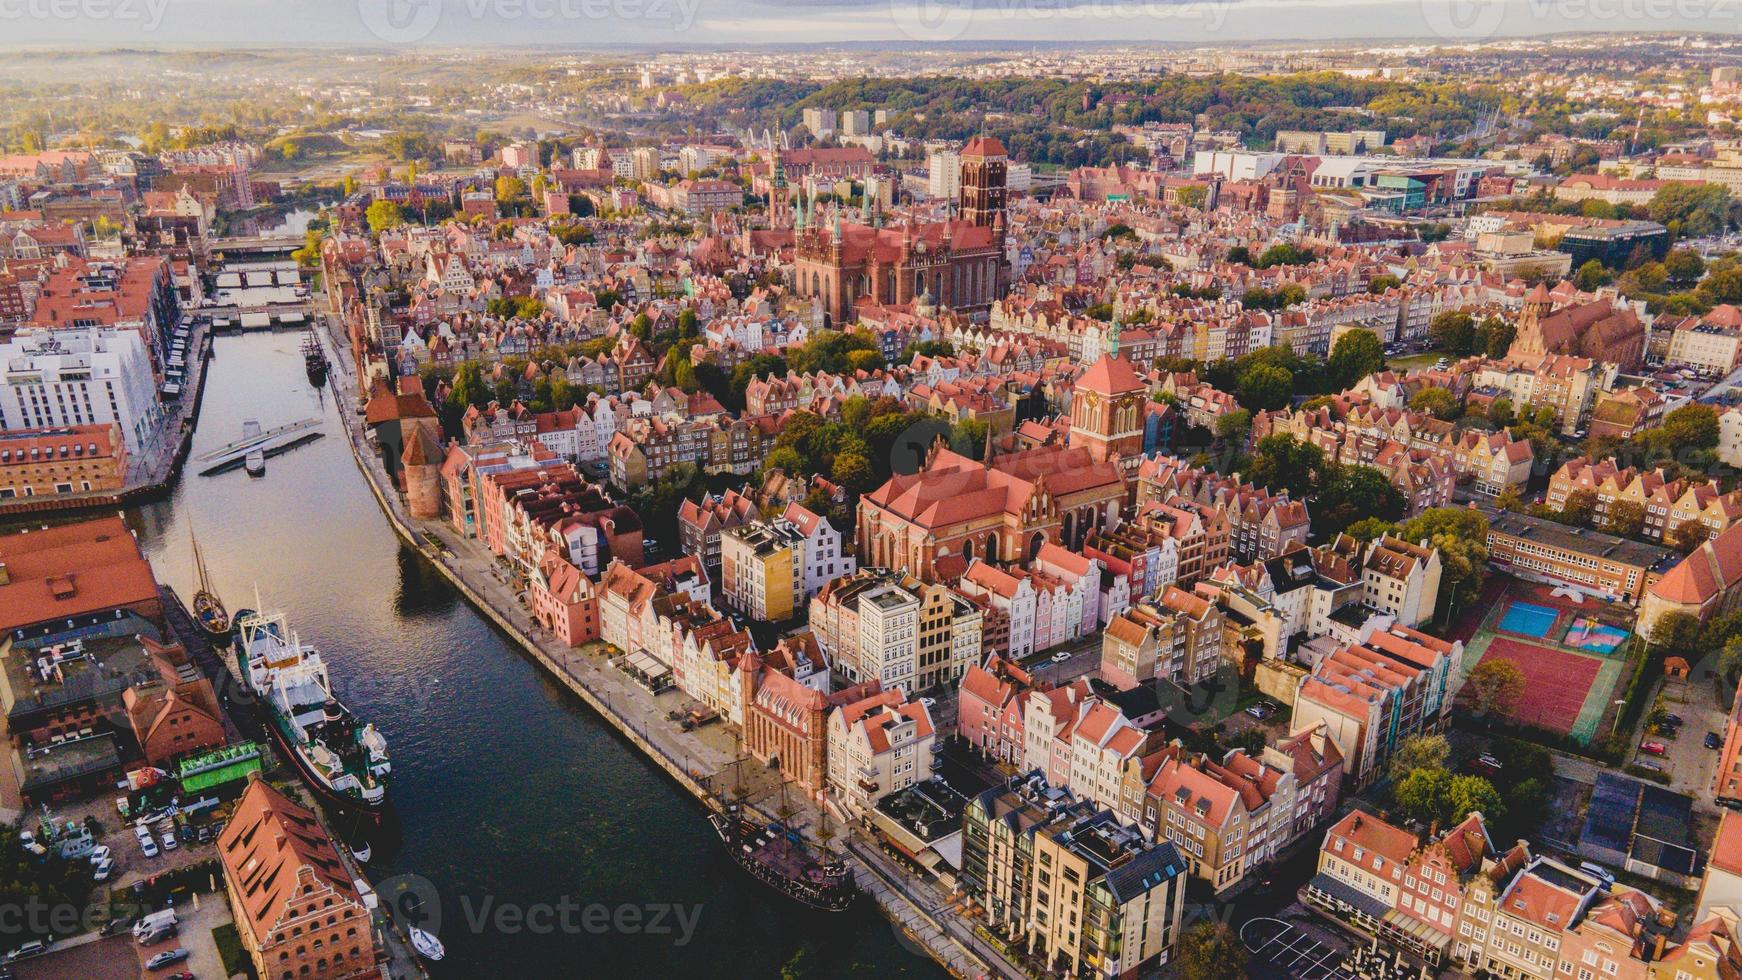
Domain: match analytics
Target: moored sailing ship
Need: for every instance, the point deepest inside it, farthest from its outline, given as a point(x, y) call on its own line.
point(343, 759)
point(778, 856)
point(209, 611)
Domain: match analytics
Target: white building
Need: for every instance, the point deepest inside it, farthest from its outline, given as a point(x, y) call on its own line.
point(81, 377)
point(823, 557)
point(878, 746)
point(945, 174)
point(1012, 597)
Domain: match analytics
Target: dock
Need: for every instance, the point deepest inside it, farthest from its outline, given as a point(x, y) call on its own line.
point(270, 442)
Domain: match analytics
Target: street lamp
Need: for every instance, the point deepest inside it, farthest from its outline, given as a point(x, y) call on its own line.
point(1617, 726)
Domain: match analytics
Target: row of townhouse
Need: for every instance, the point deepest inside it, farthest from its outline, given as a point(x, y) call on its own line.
point(1053, 600)
point(1240, 810)
point(1570, 386)
point(1179, 639)
point(1491, 461)
point(770, 568)
point(1372, 695)
point(1455, 899)
point(896, 629)
point(643, 449)
point(1262, 524)
point(1665, 503)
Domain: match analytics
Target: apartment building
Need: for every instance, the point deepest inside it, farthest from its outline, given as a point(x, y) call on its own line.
point(1369, 696)
point(762, 570)
point(1064, 878)
point(896, 629)
point(878, 745)
point(55, 461)
point(64, 378)
point(1178, 639)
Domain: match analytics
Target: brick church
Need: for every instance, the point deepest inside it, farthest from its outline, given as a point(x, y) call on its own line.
point(957, 264)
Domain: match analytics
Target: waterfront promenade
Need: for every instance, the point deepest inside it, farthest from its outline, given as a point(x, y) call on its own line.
point(702, 761)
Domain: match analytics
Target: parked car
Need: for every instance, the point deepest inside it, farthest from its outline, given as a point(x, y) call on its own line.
point(1063, 656)
point(104, 868)
point(1597, 871)
point(1713, 741)
point(148, 846)
point(169, 841)
point(36, 947)
point(168, 957)
point(1653, 748)
point(1648, 765)
point(100, 853)
point(1673, 721)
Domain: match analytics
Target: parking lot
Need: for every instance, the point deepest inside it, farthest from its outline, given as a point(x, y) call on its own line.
point(1284, 949)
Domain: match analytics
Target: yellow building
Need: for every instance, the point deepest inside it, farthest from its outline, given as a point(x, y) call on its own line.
point(762, 570)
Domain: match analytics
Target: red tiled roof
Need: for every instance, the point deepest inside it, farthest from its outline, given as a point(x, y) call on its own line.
point(72, 570)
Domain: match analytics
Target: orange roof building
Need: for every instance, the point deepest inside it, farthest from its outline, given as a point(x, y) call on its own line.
point(296, 909)
point(73, 572)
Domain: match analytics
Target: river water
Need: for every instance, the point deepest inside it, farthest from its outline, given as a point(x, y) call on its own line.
point(513, 800)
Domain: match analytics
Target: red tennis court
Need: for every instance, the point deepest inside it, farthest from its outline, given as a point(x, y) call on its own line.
point(1556, 684)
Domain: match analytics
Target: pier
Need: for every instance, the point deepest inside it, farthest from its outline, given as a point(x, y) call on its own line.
point(270, 442)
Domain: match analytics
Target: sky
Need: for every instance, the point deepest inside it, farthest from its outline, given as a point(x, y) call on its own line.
point(725, 23)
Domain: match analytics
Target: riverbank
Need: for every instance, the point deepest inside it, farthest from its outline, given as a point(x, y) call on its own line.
point(699, 761)
point(150, 476)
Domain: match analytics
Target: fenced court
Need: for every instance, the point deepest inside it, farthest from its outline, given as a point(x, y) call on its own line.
point(1572, 654)
point(1529, 619)
point(1588, 634)
point(1557, 686)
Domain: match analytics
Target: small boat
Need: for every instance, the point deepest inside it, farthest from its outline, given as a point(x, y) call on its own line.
point(426, 944)
point(209, 610)
point(362, 854)
point(314, 359)
point(255, 462)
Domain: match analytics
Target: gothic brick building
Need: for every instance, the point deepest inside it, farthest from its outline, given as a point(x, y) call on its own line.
point(1108, 407)
point(1601, 330)
point(958, 263)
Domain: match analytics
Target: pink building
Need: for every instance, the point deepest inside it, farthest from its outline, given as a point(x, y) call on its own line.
point(989, 709)
point(563, 600)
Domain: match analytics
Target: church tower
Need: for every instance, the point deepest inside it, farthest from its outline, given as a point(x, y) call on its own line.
point(1107, 409)
point(779, 195)
point(985, 168)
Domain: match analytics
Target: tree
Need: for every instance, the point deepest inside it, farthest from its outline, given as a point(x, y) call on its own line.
point(1420, 750)
point(1730, 660)
point(1496, 685)
point(1369, 528)
point(1494, 335)
point(1193, 196)
point(1684, 267)
point(853, 471)
point(1423, 793)
point(1351, 493)
point(1579, 507)
point(1453, 331)
point(1265, 387)
point(1438, 402)
point(1687, 536)
point(382, 215)
point(1698, 209)
point(1460, 535)
point(1357, 354)
point(509, 189)
point(1239, 255)
point(1233, 426)
point(1471, 794)
point(1283, 463)
point(469, 388)
point(1676, 633)
point(1210, 951)
point(1591, 276)
point(1379, 284)
point(1626, 519)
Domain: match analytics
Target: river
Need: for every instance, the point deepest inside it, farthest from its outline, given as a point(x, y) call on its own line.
point(509, 792)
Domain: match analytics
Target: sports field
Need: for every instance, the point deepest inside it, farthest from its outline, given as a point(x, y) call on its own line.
point(1572, 661)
